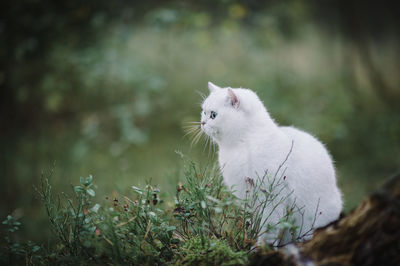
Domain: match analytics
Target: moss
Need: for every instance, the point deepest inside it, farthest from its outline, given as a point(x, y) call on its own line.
point(196, 251)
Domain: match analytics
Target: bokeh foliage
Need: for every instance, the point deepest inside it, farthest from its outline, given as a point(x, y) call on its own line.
point(103, 87)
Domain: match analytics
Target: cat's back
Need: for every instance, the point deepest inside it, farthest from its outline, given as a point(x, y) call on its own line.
point(309, 145)
point(311, 175)
point(310, 157)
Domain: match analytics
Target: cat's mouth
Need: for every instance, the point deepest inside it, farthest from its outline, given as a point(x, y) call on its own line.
point(204, 129)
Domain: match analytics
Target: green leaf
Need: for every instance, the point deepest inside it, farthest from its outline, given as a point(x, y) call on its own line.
point(203, 204)
point(137, 190)
point(213, 199)
point(88, 180)
point(284, 225)
point(217, 209)
point(91, 192)
point(171, 228)
point(96, 207)
point(78, 189)
point(175, 241)
point(35, 249)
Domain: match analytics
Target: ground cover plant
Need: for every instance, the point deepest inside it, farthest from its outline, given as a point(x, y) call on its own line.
point(202, 224)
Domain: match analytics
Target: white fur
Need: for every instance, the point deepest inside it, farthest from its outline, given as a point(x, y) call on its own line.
point(250, 143)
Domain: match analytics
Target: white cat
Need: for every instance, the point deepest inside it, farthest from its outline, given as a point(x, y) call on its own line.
point(251, 143)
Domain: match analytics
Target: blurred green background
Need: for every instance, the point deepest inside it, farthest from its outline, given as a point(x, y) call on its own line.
point(105, 87)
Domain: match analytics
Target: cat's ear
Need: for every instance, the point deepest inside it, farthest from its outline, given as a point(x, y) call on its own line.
point(234, 100)
point(212, 87)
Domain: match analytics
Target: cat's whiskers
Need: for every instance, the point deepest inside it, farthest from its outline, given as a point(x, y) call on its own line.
point(213, 145)
point(190, 128)
point(205, 143)
point(197, 137)
point(210, 145)
point(195, 133)
point(193, 130)
point(202, 95)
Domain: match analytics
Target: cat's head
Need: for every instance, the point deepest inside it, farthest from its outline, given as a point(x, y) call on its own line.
point(228, 114)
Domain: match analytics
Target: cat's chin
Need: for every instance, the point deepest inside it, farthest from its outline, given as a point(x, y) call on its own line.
point(206, 131)
point(209, 134)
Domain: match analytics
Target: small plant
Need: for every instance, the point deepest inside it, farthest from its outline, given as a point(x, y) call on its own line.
point(137, 230)
point(124, 232)
point(69, 216)
point(206, 208)
point(207, 225)
point(16, 251)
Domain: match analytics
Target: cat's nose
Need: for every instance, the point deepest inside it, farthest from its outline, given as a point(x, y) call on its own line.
point(203, 123)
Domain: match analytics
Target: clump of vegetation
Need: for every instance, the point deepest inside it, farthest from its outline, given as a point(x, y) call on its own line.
point(214, 251)
point(26, 251)
point(205, 225)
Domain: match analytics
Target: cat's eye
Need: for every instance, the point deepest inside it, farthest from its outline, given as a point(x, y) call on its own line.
point(204, 112)
point(213, 115)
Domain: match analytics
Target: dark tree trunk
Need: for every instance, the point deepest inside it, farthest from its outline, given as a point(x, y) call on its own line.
point(370, 235)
